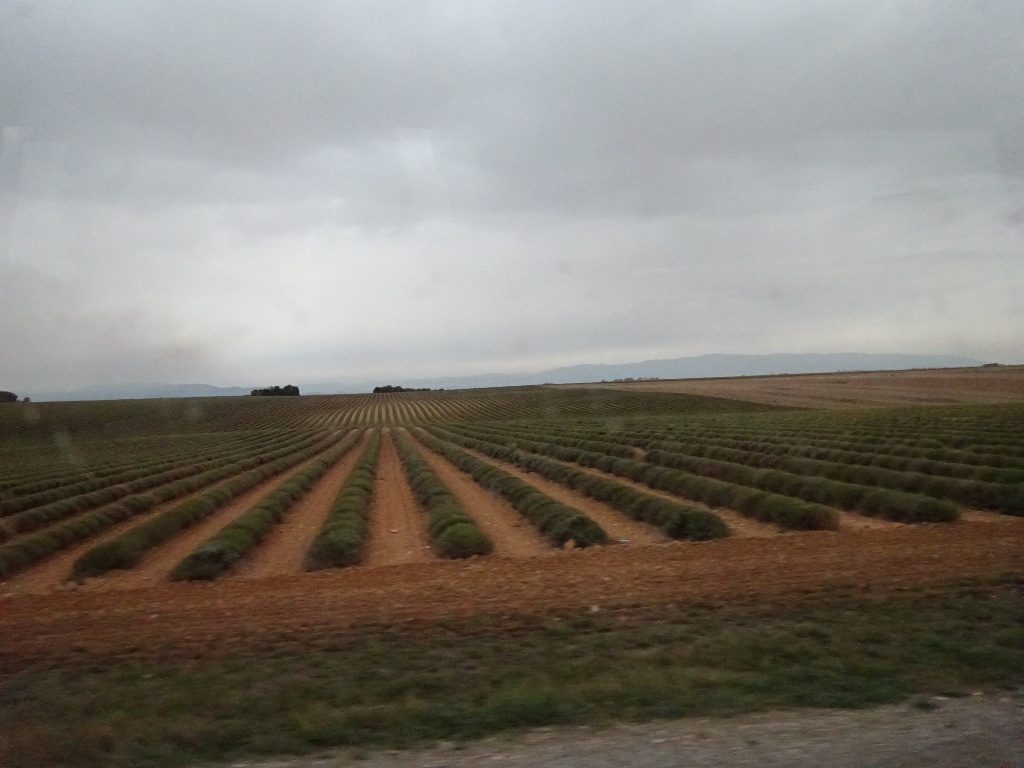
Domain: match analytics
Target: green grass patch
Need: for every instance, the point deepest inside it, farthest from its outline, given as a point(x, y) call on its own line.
point(466, 678)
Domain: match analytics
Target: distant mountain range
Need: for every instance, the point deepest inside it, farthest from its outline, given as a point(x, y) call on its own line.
point(703, 366)
point(140, 391)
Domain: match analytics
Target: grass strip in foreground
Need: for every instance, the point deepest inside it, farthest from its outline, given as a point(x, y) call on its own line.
point(397, 686)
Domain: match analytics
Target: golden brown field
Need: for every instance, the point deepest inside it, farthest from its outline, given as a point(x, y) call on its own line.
point(946, 386)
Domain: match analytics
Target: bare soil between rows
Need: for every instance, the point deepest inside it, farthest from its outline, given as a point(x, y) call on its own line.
point(398, 527)
point(511, 534)
point(302, 611)
point(157, 564)
point(284, 548)
point(619, 527)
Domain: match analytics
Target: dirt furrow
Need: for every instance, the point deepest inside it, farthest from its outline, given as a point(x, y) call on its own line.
point(397, 525)
point(158, 562)
point(981, 516)
point(282, 551)
point(53, 572)
point(851, 521)
point(617, 525)
point(739, 525)
point(512, 534)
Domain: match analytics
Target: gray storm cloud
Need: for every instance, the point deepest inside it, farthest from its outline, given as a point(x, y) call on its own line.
point(239, 192)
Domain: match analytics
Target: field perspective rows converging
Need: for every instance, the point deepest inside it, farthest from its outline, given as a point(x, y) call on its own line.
point(197, 529)
point(205, 491)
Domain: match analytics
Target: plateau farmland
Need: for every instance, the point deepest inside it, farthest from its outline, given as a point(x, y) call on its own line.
point(459, 533)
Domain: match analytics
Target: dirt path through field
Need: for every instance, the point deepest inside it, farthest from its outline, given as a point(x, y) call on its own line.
point(160, 561)
point(616, 525)
point(282, 551)
point(397, 525)
point(512, 534)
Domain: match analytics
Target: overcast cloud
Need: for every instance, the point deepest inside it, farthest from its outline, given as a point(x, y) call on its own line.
point(255, 192)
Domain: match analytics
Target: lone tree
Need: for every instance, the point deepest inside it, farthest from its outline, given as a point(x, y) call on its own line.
point(8, 397)
point(286, 390)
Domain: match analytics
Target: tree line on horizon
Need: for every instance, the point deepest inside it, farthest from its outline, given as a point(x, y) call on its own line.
point(288, 390)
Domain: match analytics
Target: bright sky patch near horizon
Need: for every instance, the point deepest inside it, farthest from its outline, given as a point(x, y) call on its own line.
point(245, 193)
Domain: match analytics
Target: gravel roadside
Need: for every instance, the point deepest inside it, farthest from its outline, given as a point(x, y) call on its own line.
point(985, 730)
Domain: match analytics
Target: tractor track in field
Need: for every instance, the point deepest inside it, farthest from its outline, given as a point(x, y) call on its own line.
point(284, 548)
point(200, 620)
point(510, 532)
point(397, 530)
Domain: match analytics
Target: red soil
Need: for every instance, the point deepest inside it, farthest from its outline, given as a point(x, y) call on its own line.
point(616, 525)
point(54, 571)
point(236, 616)
point(511, 534)
point(284, 548)
point(739, 525)
point(157, 564)
point(397, 525)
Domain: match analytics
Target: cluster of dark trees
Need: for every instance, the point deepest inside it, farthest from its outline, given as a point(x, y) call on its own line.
point(8, 397)
point(392, 388)
point(286, 390)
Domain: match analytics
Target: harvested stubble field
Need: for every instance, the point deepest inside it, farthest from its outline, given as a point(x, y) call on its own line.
point(651, 554)
point(1000, 384)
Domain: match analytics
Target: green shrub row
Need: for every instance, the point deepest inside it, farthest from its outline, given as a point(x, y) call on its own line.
point(340, 541)
point(878, 502)
point(1003, 498)
point(454, 533)
point(846, 486)
point(766, 506)
point(931, 467)
point(558, 522)
point(40, 517)
point(234, 541)
point(958, 448)
point(30, 549)
point(779, 433)
point(677, 521)
point(126, 550)
point(958, 464)
point(109, 457)
point(103, 464)
point(140, 471)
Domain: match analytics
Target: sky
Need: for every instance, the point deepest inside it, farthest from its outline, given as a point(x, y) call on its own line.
point(254, 192)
